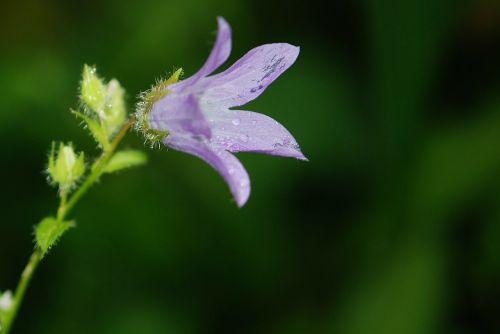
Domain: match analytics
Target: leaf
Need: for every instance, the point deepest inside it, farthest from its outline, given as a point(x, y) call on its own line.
point(97, 131)
point(125, 159)
point(49, 231)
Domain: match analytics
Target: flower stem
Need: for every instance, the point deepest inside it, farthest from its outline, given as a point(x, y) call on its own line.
point(24, 281)
point(64, 207)
point(97, 167)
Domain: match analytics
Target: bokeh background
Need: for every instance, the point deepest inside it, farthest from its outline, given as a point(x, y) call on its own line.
point(392, 227)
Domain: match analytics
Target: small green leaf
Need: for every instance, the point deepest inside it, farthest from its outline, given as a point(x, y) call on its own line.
point(126, 159)
point(97, 131)
point(49, 231)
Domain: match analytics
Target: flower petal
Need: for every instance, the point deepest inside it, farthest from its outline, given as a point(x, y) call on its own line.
point(247, 131)
point(219, 54)
point(179, 114)
point(224, 162)
point(250, 75)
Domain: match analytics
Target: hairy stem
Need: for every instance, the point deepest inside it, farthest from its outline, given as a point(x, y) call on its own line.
point(64, 207)
point(24, 281)
point(98, 167)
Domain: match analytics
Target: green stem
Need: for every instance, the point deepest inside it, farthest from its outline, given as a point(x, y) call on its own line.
point(64, 207)
point(24, 281)
point(98, 167)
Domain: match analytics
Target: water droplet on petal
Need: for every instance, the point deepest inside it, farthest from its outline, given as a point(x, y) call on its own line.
point(244, 138)
point(254, 122)
point(231, 171)
point(244, 183)
point(236, 121)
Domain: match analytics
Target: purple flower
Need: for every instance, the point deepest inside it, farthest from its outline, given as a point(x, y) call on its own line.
point(196, 113)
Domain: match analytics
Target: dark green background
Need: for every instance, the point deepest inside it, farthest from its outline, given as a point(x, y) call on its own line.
point(392, 227)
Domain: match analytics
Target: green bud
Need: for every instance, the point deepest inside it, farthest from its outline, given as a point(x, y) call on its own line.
point(104, 105)
point(6, 301)
point(114, 111)
point(65, 167)
point(93, 90)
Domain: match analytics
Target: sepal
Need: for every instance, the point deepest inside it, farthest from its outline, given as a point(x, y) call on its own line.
point(145, 105)
point(95, 129)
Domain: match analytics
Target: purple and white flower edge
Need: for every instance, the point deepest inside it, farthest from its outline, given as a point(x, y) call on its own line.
point(196, 111)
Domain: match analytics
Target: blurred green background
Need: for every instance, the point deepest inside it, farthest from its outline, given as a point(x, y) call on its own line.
point(392, 227)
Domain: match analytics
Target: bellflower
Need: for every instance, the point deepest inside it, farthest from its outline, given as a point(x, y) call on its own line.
point(195, 115)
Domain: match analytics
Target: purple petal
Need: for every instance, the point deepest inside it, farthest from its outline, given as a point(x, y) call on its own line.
point(247, 131)
point(179, 114)
point(224, 162)
point(250, 75)
point(219, 54)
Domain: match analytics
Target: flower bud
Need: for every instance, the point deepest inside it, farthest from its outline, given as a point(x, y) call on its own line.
point(6, 301)
point(104, 105)
point(114, 109)
point(93, 90)
point(65, 167)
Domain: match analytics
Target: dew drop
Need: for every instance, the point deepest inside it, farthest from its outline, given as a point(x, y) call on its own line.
point(236, 121)
point(244, 138)
point(231, 171)
point(244, 183)
point(254, 122)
